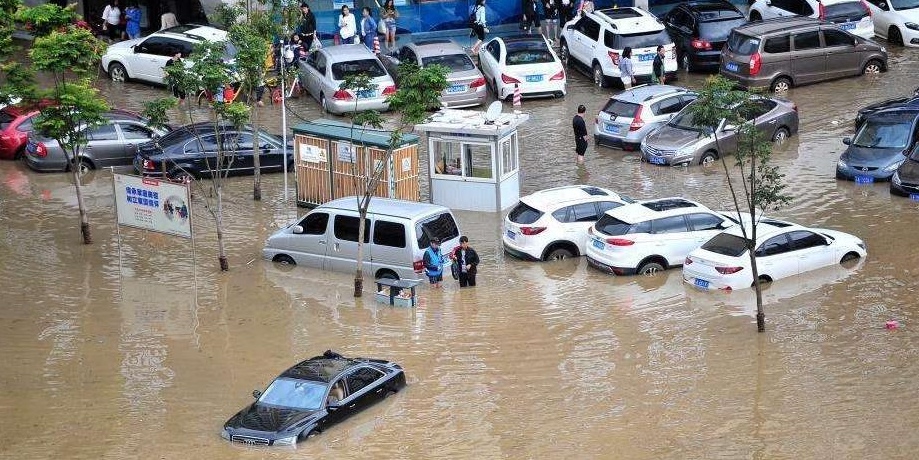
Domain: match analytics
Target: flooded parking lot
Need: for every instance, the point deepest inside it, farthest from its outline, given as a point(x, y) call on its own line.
point(143, 349)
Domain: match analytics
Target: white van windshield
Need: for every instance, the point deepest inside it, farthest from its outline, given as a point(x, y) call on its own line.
point(440, 226)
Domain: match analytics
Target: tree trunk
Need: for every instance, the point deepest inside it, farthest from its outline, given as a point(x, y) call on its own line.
point(359, 271)
point(760, 314)
point(221, 249)
point(256, 157)
point(81, 204)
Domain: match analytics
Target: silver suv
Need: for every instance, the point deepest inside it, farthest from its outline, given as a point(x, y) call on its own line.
point(466, 85)
point(629, 116)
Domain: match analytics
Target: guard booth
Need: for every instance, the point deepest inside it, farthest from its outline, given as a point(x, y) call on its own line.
point(332, 161)
point(473, 158)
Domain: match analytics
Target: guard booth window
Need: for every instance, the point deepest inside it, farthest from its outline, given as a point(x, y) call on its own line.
point(477, 161)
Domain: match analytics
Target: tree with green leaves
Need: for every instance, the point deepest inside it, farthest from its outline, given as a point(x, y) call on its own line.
point(758, 187)
point(205, 69)
point(70, 55)
point(420, 89)
point(18, 80)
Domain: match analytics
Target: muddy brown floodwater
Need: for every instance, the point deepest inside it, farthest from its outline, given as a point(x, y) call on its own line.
point(146, 355)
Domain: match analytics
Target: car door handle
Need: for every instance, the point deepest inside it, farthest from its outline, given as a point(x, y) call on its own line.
point(335, 246)
point(379, 390)
point(352, 406)
point(772, 122)
point(322, 242)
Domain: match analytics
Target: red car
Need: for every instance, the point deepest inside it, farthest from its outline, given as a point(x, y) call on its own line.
point(15, 126)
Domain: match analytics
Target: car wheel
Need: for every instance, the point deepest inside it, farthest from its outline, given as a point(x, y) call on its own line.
point(19, 154)
point(708, 158)
point(894, 37)
point(387, 275)
point(563, 54)
point(307, 434)
point(181, 176)
point(755, 16)
point(650, 269)
point(284, 259)
point(559, 254)
point(388, 394)
point(780, 85)
point(873, 67)
point(323, 103)
point(117, 72)
point(85, 167)
point(599, 78)
point(781, 135)
point(849, 256)
point(763, 281)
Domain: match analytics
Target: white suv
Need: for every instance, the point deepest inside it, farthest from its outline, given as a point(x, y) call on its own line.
point(853, 16)
point(651, 236)
point(552, 224)
point(145, 58)
point(595, 41)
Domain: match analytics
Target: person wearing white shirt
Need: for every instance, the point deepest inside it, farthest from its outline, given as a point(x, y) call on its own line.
point(347, 26)
point(111, 19)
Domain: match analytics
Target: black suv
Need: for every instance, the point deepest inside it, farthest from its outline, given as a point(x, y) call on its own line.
point(699, 29)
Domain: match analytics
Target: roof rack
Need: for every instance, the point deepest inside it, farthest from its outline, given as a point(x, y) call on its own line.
point(667, 204)
point(666, 93)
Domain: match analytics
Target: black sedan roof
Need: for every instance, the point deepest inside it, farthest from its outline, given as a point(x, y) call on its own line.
point(320, 368)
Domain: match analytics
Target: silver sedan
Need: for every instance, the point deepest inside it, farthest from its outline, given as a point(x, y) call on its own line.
point(466, 83)
point(323, 71)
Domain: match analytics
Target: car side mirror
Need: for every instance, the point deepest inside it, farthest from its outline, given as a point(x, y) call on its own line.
point(768, 2)
point(297, 230)
point(332, 407)
point(256, 394)
point(827, 242)
point(847, 140)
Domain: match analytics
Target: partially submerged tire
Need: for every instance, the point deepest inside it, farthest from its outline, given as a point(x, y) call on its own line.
point(560, 254)
point(780, 85)
point(284, 259)
point(650, 268)
point(117, 72)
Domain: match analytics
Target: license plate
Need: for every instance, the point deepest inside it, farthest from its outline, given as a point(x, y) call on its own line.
point(847, 26)
point(914, 196)
point(645, 57)
point(732, 66)
point(366, 94)
point(701, 283)
point(511, 235)
point(612, 129)
point(657, 161)
point(534, 78)
point(599, 244)
point(864, 180)
point(456, 89)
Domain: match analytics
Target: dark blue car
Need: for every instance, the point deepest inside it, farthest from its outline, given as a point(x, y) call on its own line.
point(880, 145)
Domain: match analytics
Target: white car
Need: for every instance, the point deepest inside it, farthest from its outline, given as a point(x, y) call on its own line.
point(853, 16)
point(552, 224)
point(145, 58)
point(526, 61)
point(896, 20)
point(783, 249)
point(594, 42)
point(650, 236)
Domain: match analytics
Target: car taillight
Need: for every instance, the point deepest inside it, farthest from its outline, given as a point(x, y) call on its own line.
point(637, 122)
point(508, 79)
point(41, 150)
point(148, 164)
point(726, 289)
point(688, 261)
point(389, 90)
point(619, 242)
point(613, 56)
point(821, 11)
point(477, 82)
point(418, 266)
point(342, 95)
point(756, 63)
point(532, 230)
point(728, 270)
point(700, 44)
point(559, 76)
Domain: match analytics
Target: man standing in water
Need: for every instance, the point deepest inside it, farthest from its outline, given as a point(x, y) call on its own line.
point(433, 262)
point(467, 262)
point(658, 75)
point(580, 133)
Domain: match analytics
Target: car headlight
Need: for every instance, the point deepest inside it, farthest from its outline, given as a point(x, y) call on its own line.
point(893, 166)
point(841, 164)
point(288, 441)
point(896, 178)
point(225, 434)
point(912, 25)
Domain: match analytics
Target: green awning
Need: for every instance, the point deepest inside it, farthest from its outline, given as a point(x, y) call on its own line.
point(341, 131)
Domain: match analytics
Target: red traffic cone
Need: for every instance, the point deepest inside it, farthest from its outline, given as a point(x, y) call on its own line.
point(517, 97)
point(376, 45)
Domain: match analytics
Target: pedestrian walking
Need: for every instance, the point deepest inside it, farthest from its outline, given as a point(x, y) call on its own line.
point(658, 75)
point(368, 27)
point(433, 261)
point(580, 133)
point(389, 16)
point(175, 59)
point(479, 26)
point(626, 72)
point(347, 27)
point(550, 19)
point(466, 263)
point(111, 20)
point(565, 11)
point(530, 16)
point(132, 15)
point(168, 20)
point(307, 26)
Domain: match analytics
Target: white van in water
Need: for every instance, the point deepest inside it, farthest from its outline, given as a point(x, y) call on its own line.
point(396, 235)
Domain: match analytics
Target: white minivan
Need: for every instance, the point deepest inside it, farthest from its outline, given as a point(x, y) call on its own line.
point(396, 235)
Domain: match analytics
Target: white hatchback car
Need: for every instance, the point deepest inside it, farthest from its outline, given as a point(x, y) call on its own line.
point(552, 224)
point(896, 20)
point(526, 61)
point(783, 250)
point(853, 16)
point(145, 58)
point(650, 236)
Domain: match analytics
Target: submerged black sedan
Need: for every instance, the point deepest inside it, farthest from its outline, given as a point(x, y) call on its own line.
point(310, 397)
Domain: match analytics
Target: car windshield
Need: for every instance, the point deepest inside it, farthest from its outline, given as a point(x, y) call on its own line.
point(884, 133)
point(611, 226)
point(726, 244)
point(442, 226)
point(685, 120)
point(742, 44)
point(371, 67)
point(852, 10)
point(904, 4)
point(644, 40)
point(454, 62)
point(528, 53)
point(617, 108)
point(718, 31)
point(298, 394)
point(524, 214)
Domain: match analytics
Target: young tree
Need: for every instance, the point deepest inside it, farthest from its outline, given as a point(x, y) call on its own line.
point(419, 90)
point(722, 107)
point(70, 55)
